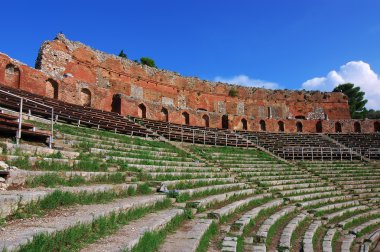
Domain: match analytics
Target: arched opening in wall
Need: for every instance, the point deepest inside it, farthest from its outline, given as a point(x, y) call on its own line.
point(357, 127)
point(225, 122)
point(263, 126)
point(244, 124)
point(318, 127)
point(142, 111)
point(85, 97)
point(299, 127)
point(165, 115)
point(206, 121)
point(51, 89)
point(281, 126)
point(186, 118)
point(300, 117)
point(12, 75)
point(116, 103)
point(338, 127)
point(376, 127)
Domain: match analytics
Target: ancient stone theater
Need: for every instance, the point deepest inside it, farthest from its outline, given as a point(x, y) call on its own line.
point(75, 73)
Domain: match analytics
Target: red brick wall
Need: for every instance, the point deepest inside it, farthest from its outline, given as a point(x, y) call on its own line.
point(76, 67)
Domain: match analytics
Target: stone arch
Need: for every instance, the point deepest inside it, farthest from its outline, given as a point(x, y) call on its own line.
point(51, 89)
point(263, 126)
point(281, 126)
point(85, 97)
point(141, 110)
point(116, 103)
point(299, 127)
point(318, 127)
point(338, 127)
point(376, 127)
point(357, 127)
point(186, 118)
point(165, 114)
point(244, 124)
point(12, 75)
point(206, 120)
point(225, 122)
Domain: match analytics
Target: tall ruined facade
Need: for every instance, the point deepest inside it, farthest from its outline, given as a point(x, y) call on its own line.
point(75, 73)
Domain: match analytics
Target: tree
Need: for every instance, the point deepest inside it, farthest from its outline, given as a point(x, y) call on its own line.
point(373, 114)
point(356, 99)
point(123, 55)
point(148, 62)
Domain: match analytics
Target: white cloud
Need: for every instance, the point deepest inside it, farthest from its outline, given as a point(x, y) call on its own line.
point(245, 80)
point(356, 72)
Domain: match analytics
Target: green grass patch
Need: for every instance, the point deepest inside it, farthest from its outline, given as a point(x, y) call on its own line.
point(207, 236)
point(77, 237)
point(59, 198)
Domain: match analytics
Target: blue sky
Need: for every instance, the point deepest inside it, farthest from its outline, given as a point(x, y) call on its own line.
point(273, 43)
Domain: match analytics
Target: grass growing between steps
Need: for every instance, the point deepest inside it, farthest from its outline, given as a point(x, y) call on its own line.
point(54, 180)
point(207, 236)
point(277, 227)
point(182, 197)
point(360, 220)
point(106, 136)
point(63, 199)
point(77, 237)
point(261, 215)
point(245, 208)
point(152, 240)
point(297, 235)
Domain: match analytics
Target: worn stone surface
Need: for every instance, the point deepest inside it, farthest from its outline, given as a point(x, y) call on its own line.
point(16, 234)
point(129, 235)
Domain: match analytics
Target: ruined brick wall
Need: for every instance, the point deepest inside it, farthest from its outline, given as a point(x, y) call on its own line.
point(75, 73)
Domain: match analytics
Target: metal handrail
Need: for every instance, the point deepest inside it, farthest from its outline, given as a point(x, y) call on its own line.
point(22, 99)
point(322, 150)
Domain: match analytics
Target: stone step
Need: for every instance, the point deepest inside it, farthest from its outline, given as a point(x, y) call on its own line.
point(195, 180)
point(262, 233)
point(187, 237)
point(157, 161)
point(111, 141)
point(154, 167)
point(230, 208)
point(204, 202)
point(37, 150)
point(19, 233)
point(138, 149)
point(129, 235)
point(347, 241)
point(212, 187)
point(253, 213)
point(324, 200)
point(343, 211)
point(18, 177)
point(286, 235)
point(276, 177)
point(155, 175)
point(307, 242)
point(10, 201)
point(129, 155)
point(361, 215)
point(267, 171)
point(288, 181)
point(229, 244)
point(307, 190)
point(327, 245)
point(297, 186)
point(368, 223)
point(313, 195)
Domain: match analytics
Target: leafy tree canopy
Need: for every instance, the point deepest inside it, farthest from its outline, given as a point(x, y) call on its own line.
point(356, 99)
point(122, 54)
point(148, 62)
point(373, 114)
